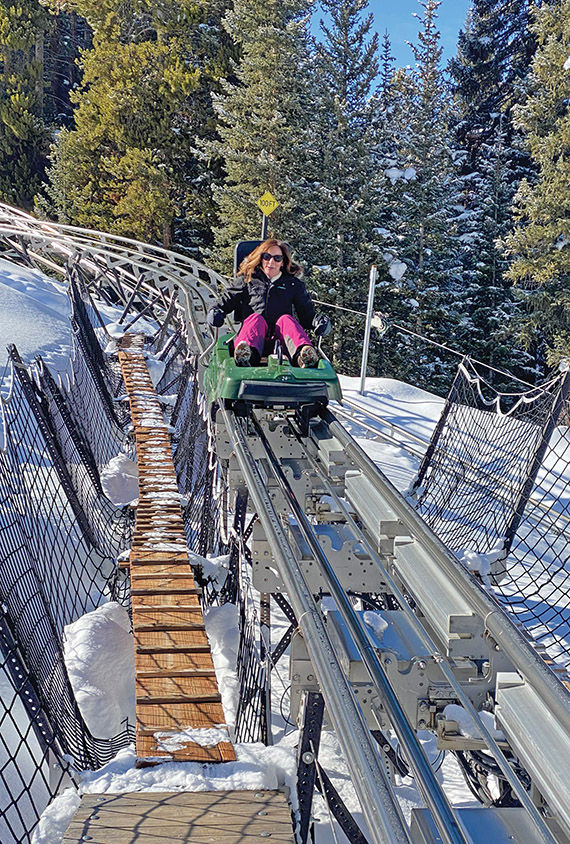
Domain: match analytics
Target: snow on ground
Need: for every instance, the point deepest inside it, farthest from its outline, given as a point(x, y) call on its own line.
point(398, 404)
point(223, 634)
point(120, 480)
point(466, 725)
point(34, 314)
point(100, 660)
point(56, 818)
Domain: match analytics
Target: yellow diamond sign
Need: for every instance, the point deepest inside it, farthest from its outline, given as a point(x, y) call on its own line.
point(267, 203)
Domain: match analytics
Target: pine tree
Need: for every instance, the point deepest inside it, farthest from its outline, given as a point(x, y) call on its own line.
point(262, 119)
point(493, 58)
point(540, 242)
point(68, 34)
point(129, 163)
point(390, 356)
point(424, 231)
point(344, 172)
point(23, 134)
point(386, 64)
point(109, 171)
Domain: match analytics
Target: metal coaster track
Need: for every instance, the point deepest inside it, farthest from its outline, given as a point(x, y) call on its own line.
point(261, 451)
point(449, 826)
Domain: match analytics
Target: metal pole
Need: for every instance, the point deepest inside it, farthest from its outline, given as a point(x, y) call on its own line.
point(263, 226)
point(369, 313)
point(265, 651)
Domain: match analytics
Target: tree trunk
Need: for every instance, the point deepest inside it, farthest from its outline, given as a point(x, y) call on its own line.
point(39, 57)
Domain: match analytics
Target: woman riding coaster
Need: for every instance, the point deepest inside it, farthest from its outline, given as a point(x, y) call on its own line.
point(266, 290)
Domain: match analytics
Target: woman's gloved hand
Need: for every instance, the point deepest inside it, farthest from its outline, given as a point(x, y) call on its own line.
point(321, 325)
point(215, 317)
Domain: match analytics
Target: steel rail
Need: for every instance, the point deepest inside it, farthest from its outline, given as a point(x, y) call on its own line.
point(92, 250)
point(445, 818)
point(372, 414)
point(129, 245)
point(379, 805)
point(443, 663)
point(534, 670)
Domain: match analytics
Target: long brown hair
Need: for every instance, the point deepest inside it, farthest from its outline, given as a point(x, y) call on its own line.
point(253, 260)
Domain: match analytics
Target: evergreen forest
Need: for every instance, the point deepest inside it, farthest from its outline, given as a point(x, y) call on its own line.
point(166, 120)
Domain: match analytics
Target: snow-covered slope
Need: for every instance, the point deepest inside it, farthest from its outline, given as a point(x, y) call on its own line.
point(409, 408)
point(34, 314)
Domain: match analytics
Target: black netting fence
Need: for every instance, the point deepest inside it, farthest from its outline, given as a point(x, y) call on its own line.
point(31, 768)
point(51, 572)
point(495, 480)
point(195, 463)
point(535, 578)
point(253, 669)
point(93, 389)
point(480, 458)
point(90, 331)
point(110, 527)
point(253, 664)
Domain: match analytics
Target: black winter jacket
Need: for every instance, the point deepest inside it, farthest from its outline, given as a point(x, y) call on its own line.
point(271, 299)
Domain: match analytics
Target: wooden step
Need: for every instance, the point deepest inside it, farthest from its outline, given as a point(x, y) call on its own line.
point(162, 717)
point(143, 674)
point(172, 583)
point(181, 600)
point(161, 626)
point(178, 699)
point(186, 686)
point(158, 568)
point(166, 649)
point(174, 661)
point(147, 746)
point(157, 557)
point(162, 618)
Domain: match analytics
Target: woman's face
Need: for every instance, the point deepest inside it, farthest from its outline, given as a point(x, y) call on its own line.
point(272, 261)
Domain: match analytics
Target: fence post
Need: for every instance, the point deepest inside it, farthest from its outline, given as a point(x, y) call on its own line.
point(525, 492)
point(426, 460)
point(369, 312)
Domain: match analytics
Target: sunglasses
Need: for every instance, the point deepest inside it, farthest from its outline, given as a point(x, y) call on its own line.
point(267, 256)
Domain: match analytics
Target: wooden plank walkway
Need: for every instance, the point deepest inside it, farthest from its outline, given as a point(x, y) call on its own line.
point(176, 687)
point(223, 817)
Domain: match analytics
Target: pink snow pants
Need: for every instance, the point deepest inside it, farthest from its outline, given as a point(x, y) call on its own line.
point(291, 335)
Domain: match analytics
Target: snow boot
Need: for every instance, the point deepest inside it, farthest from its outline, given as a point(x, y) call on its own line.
point(308, 357)
point(242, 354)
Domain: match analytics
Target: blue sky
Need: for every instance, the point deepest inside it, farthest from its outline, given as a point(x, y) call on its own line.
point(397, 16)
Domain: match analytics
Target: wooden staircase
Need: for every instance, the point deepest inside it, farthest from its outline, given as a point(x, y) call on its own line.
point(176, 687)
